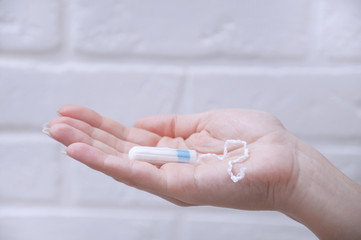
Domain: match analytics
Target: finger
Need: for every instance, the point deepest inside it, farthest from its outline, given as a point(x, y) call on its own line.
point(134, 173)
point(95, 133)
point(134, 135)
point(67, 135)
point(171, 125)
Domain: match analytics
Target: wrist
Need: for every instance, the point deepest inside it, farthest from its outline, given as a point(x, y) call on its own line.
point(322, 198)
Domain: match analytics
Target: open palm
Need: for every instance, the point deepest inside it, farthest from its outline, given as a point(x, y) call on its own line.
point(103, 144)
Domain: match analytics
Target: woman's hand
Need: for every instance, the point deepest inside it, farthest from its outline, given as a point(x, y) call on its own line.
point(103, 144)
point(283, 173)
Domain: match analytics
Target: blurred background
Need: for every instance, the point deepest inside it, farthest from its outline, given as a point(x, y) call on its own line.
point(299, 60)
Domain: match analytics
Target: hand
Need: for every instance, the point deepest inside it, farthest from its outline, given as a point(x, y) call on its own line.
point(103, 144)
point(283, 173)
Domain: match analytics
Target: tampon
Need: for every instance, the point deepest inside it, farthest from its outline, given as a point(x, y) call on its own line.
point(160, 155)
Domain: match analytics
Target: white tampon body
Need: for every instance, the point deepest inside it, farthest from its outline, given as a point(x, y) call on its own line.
point(159, 155)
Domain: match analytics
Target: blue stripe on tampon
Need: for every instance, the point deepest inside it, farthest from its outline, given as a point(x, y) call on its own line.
point(183, 156)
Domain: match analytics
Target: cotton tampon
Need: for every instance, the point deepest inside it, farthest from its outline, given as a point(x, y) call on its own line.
point(159, 155)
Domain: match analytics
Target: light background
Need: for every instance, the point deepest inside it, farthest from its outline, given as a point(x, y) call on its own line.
point(300, 60)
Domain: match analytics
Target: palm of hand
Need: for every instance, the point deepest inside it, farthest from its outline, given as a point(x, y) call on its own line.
point(103, 145)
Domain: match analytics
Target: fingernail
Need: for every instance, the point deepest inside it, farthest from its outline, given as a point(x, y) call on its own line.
point(46, 129)
point(58, 112)
point(64, 152)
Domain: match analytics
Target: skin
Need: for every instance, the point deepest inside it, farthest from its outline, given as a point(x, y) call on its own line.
point(283, 173)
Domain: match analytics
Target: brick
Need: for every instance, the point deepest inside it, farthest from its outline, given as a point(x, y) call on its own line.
point(341, 29)
point(31, 97)
point(241, 224)
point(29, 170)
point(29, 25)
point(310, 105)
point(162, 28)
point(86, 224)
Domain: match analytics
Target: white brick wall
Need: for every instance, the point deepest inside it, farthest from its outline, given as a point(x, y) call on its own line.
point(192, 28)
point(299, 60)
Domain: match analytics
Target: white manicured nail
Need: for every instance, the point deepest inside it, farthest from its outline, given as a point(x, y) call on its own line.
point(46, 129)
point(64, 152)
